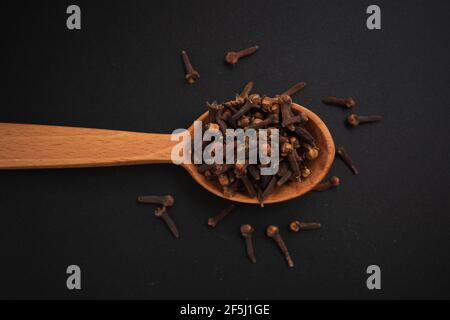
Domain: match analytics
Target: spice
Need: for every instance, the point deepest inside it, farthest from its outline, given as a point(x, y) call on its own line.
point(354, 119)
point(340, 102)
point(162, 213)
point(286, 112)
point(191, 74)
point(297, 147)
point(269, 189)
point(346, 158)
point(213, 221)
point(295, 88)
point(296, 226)
point(246, 90)
point(165, 201)
point(246, 232)
point(285, 177)
point(274, 233)
point(232, 57)
point(333, 182)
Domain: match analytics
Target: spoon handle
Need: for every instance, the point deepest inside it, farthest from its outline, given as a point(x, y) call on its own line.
point(27, 146)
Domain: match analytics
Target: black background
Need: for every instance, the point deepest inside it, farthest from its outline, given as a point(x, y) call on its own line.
point(123, 71)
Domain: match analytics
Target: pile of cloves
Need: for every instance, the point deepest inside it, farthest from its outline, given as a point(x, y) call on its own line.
point(297, 147)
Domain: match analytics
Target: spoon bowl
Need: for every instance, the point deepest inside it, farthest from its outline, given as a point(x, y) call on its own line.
point(27, 146)
point(319, 167)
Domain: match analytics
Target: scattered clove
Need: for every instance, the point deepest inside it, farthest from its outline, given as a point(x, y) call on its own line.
point(333, 182)
point(162, 213)
point(285, 177)
point(213, 221)
point(340, 102)
point(191, 74)
point(346, 158)
point(233, 57)
point(294, 89)
point(274, 233)
point(353, 120)
point(246, 232)
point(296, 226)
point(165, 201)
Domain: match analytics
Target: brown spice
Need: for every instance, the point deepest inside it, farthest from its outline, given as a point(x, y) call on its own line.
point(232, 57)
point(274, 233)
point(213, 221)
point(354, 120)
point(163, 214)
point(246, 232)
point(296, 226)
point(192, 75)
point(347, 160)
point(340, 102)
point(295, 88)
point(333, 182)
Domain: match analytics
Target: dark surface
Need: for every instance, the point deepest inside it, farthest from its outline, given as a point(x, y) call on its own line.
point(123, 71)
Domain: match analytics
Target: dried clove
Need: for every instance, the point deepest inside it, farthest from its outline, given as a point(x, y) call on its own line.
point(292, 120)
point(213, 110)
point(230, 190)
point(286, 112)
point(304, 136)
point(165, 201)
point(192, 75)
point(269, 188)
point(346, 158)
point(162, 213)
point(213, 221)
point(340, 102)
point(243, 110)
point(270, 120)
point(293, 164)
point(274, 233)
point(248, 185)
point(285, 177)
point(311, 152)
point(296, 226)
point(295, 88)
point(333, 182)
point(353, 120)
point(265, 179)
point(246, 232)
point(233, 57)
point(254, 172)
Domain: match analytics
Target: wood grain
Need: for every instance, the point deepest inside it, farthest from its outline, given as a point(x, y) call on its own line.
point(26, 146)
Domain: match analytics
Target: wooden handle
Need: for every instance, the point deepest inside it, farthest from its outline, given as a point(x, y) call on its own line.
point(24, 146)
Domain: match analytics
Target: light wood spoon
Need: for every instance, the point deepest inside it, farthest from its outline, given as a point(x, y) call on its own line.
point(27, 146)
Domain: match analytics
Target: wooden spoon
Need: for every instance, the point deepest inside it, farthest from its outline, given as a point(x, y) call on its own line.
point(27, 146)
